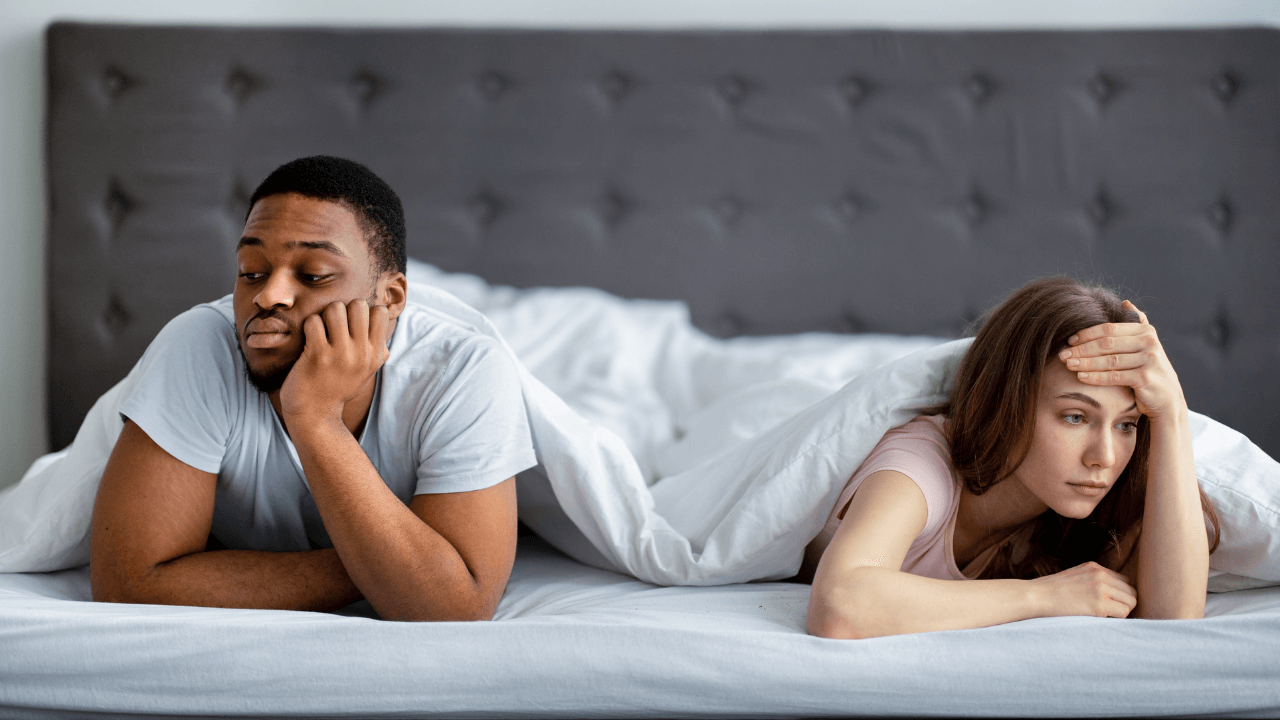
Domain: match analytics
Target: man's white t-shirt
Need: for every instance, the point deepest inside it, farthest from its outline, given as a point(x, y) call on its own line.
point(447, 416)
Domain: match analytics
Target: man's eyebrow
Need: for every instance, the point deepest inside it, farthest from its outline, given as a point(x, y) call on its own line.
point(1090, 401)
point(324, 245)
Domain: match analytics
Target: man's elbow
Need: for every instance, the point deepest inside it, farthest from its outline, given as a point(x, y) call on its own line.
point(116, 587)
point(474, 608)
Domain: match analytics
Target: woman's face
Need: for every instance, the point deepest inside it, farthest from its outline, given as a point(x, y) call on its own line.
point(1084, 437)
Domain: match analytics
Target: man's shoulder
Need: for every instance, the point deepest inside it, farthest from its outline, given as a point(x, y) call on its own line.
point(425, 336)
point(214, 319)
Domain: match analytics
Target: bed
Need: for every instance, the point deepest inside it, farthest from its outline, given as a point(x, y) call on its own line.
point(872, 190)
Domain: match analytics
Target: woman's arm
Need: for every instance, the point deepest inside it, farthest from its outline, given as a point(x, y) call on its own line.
point(859, 591)
point(1171, 563)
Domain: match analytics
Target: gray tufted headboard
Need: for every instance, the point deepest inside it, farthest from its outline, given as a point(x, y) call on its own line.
point(776, 181)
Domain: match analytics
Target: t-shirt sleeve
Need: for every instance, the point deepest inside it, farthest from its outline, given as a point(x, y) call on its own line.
point(477, 433)
point(918, 451)
point(183, 398)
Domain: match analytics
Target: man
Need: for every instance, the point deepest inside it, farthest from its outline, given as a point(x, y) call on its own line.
point(314, 438)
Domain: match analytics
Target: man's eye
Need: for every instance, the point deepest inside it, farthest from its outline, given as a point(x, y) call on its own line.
point(313, 278)
point(1073, 418)
point(251, 276)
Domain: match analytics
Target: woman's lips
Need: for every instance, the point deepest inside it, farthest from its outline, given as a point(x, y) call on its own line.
point(262, 340)
point(1089, 490)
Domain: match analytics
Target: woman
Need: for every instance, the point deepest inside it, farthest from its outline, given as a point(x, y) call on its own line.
point(1058, 479)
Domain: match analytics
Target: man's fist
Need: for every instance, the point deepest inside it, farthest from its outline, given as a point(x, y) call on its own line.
point(344, 346)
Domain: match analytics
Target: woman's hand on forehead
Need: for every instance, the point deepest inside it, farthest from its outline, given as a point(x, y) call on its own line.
point(1129, 355)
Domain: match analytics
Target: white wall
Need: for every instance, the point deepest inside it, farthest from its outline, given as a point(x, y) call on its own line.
point(22, 287)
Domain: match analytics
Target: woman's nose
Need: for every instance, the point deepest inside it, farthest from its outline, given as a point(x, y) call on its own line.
point(1101, 452)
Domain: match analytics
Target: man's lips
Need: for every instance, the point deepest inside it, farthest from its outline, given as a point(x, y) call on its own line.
point(262, 340)
point(266, 333)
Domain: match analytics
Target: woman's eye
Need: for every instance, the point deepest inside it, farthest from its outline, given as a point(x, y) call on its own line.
point(1073, 418)
point(1127, 427)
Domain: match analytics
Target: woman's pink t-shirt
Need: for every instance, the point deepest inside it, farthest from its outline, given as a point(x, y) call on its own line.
point(920, 451)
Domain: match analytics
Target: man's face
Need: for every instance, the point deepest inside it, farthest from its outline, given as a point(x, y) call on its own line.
point(297, 255)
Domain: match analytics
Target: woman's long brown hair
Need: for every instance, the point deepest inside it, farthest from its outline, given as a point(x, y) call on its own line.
point(991, 421)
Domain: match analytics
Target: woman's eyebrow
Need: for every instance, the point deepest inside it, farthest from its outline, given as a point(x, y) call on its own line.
point(1082, 398)
point(1090, 401)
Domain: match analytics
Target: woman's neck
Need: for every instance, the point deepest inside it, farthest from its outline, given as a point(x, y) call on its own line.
point(986, 519)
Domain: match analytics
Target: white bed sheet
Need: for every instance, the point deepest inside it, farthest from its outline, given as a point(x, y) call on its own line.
point(574, 641)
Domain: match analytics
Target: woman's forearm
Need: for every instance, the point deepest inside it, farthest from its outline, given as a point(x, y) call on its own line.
point(1173, 548)
point(875, 601)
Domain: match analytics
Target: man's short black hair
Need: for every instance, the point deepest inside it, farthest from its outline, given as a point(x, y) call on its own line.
point(377, 208)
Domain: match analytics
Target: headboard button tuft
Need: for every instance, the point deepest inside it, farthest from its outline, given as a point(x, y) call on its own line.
point(241, 84)
point(1100, 209)
point(1218, 332)
point(114, 317)
point(613, 206)
point(115, 82)
point(733, 89)
point(978, 88)
point(850, 322)
point(1220, 215)
point(975, 208)
point(1225, 86)
point(848, 207)
point(117, 204)
point(729, 324)
point(493, 84)
point(854, 90)
point(616, 85)
point(367, 87)
point(728, 209)
point(238, 202)
point(485, 207)
point(1102, 88)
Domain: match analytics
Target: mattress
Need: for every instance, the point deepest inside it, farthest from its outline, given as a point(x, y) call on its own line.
point(573, 641)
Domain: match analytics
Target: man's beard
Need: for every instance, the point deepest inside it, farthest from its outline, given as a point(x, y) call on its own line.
point(266, 383)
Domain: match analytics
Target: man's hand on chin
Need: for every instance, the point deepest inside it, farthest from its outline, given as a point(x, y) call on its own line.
point(345, 346)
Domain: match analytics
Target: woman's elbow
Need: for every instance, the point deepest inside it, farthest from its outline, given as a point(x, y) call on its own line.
point(842, 621)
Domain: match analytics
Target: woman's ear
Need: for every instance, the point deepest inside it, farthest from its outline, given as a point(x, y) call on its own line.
point(394, 293)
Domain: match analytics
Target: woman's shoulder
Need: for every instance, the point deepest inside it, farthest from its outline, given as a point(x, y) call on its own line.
point(923, 434)
point(919, 450)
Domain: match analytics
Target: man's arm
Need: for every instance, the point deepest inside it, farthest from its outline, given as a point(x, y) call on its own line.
point(444, 557)
point(151, 523)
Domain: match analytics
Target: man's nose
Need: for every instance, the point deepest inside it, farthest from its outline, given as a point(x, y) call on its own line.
point(276, 292)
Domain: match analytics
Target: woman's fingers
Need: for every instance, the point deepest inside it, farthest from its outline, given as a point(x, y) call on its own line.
point(1110, 345)
point(1106, 330)
point(1128, 378)
point(1119, 361)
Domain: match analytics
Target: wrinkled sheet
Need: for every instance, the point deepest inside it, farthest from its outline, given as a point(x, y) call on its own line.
point(574, 641)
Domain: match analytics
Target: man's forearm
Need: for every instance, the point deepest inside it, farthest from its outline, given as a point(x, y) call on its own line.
point(313, 580)
point(406, 569)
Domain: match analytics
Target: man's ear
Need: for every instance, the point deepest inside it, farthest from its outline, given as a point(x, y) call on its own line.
point(394, 292)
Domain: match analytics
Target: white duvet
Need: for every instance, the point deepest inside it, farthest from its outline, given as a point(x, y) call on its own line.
point(669, 455)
